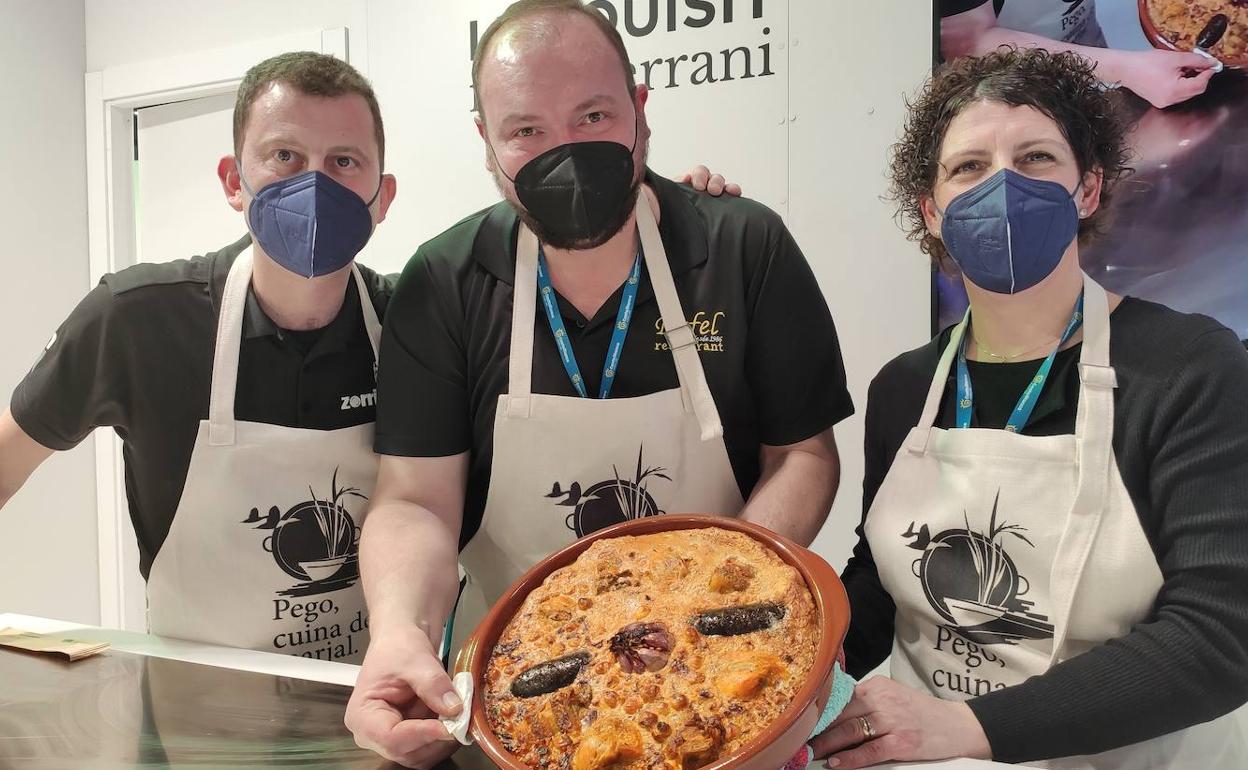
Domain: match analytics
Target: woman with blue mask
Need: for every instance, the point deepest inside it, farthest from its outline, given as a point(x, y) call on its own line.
point(1054, 546)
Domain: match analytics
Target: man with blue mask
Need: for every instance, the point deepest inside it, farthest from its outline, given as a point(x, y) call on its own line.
point(598, 320)
point(242, 381)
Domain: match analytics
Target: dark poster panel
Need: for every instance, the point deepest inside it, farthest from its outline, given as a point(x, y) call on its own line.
point(1179, 232)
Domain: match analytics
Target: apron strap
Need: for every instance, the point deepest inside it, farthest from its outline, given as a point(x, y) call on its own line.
point(917, 440)
point(523, 313)
point(221, 421)
point(694, 391)
point(372, 324)
point(1094, 433)
point(225, 355)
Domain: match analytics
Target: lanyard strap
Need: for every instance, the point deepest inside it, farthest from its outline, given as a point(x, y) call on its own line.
point(623, 320)
point(1026, 402)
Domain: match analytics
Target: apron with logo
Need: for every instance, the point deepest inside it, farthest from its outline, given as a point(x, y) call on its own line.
point(263, 550)
point(1007, 554)
point(1070, 21)
point(565, 466)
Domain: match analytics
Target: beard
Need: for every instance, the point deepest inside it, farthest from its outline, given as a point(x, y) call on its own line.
point(558, 240)
point(610, 227)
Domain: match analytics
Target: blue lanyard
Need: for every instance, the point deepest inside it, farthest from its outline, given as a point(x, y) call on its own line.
point(1026, 402)
point(622, 321)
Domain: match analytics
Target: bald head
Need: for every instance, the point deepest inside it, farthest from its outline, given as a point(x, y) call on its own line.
point(506, 50)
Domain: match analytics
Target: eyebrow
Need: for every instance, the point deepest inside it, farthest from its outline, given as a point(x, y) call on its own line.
point(519, 119)
point(1038, 143)
point(974, 152)
point(595, 99)
point(280, 139)
point(962, 155)
point(590, 102)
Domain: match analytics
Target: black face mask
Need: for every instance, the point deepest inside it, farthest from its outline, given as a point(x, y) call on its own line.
point(578, 195)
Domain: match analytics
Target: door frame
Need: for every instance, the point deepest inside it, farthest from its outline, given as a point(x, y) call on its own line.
point(112, 96)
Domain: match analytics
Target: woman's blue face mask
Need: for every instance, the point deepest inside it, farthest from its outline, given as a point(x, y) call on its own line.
point(1009, 232)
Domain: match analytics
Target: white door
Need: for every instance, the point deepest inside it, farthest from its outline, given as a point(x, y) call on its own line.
point(179, 207)
point(179, 211)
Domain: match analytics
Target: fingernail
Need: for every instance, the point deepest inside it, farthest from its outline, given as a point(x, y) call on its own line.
point(451, 702)
point(832, 762)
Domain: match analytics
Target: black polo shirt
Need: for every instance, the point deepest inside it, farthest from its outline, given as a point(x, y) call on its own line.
point(766, 338)
point(136, 356)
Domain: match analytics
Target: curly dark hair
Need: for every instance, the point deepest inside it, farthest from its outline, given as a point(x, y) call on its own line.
point(1063, 86)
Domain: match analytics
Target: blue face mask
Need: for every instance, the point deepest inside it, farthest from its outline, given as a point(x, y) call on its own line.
point(1009, 232)
point(309, 224)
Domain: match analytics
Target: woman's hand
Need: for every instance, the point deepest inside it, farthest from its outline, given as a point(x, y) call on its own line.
point(1165, 77)
point(886, 721)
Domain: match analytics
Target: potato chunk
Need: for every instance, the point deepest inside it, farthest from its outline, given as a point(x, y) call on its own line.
point(746, 673)
point(609, 740)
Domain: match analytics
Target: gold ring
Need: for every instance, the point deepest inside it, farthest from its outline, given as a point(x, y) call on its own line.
point(868, 732)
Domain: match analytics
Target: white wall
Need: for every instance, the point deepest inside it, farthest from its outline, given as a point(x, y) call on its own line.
point(851, 65)
point(49, 527)
point(127, 31)
point(809, 141)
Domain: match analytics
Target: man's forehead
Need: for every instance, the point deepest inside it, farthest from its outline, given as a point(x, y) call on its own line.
point(567, 54)
point(284, 115)
point(283, 103)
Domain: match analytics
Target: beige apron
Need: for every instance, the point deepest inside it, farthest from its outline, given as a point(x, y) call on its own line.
point(263, 550)
point(565, 466)
point(1008, 553)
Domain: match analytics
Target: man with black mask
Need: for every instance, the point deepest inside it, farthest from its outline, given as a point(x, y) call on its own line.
point(601, 346)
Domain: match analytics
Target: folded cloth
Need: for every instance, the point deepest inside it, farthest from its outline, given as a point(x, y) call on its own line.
point(838, 699)
point(458, 727)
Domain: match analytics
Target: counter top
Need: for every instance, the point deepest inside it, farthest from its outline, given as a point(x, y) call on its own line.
point(149, 702)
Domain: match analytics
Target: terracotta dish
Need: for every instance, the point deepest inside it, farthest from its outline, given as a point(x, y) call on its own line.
point(712, 648)
point(1175, 25)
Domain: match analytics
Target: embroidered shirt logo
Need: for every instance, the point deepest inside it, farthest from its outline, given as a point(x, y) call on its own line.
point(705, 325)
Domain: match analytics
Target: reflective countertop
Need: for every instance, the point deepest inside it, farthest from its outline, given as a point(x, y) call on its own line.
point(149, 702)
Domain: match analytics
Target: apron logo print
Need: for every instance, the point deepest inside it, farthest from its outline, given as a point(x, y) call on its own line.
point(316, 541)
point(972, 583)
point(613, 501)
